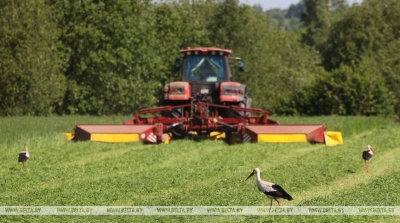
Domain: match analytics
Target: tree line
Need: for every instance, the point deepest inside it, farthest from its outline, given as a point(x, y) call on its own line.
point(102, 57)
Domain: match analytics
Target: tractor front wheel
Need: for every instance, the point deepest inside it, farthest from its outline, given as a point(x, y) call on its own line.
point(233, 113)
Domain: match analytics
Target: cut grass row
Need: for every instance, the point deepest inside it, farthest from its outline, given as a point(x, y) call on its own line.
point(185, 172)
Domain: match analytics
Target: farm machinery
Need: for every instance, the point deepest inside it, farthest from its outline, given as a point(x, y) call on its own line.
point(205, 103)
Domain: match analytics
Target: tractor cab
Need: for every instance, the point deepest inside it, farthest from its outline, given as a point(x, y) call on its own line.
point(209, 68)
point(206, 65)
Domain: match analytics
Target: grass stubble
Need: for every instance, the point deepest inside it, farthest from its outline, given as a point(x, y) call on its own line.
point(190, 173)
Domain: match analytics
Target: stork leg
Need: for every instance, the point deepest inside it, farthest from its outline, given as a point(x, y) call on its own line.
point(23, 165)
point(270, 206)
point(279, 203)
point(367, 165)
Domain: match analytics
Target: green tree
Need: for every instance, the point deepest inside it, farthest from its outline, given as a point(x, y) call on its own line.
point(386, 63)
point(368, 36)
point(227, 23)
point(318, 18)
point(31, 59)
point(114, 65)
point(361, 31)
point(346, 91)
point(295, 10)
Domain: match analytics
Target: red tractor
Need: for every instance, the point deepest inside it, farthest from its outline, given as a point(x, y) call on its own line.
point(206, 77)
point(206, 102)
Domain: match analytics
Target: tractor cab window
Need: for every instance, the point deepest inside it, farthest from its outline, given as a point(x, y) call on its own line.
point(204, 68)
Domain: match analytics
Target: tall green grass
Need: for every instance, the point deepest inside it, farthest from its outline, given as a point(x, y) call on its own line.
point(185, 172)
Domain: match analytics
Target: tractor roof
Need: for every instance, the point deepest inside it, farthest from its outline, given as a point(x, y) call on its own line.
point(206, 50)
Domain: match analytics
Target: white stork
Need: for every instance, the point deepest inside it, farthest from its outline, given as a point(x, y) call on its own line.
point(367, 156)
point(23, 157)
point(271, 190)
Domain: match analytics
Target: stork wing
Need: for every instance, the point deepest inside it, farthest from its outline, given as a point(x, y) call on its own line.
point(22, 157)
point(366, 155)
point(279, 192)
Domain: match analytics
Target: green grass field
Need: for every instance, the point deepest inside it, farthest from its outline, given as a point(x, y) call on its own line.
point(190, 173)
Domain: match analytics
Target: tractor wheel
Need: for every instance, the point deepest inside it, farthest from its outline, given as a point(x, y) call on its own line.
point(232, 114)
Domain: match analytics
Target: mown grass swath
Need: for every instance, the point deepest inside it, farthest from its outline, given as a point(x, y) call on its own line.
point(185, 172)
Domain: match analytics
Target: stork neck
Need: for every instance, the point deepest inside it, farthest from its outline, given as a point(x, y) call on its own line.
point(258, 176)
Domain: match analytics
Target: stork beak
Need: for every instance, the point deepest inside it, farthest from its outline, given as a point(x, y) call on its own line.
point(252, 173)
point(372, 150)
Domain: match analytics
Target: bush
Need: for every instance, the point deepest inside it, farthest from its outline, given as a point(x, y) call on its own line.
point(345, 91)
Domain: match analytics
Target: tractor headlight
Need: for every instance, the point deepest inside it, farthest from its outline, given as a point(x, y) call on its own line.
point(233, 91)
point(176, 89)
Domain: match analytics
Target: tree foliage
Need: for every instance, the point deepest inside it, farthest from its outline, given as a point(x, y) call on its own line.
point(318, 17)
point(288, 19)
point(368, 32)
point(113, 57)
point(31, 59)
point(346, 91)
point(111, 69)
point(361, 31)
